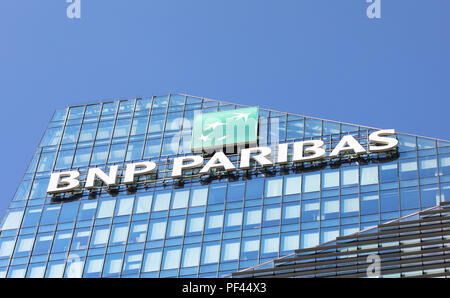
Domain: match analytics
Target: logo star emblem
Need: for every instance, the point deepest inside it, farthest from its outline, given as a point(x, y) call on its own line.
point(204, 138)
point(241, 116)
point(214, 125)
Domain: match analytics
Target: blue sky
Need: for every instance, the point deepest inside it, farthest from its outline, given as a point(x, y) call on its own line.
point(320, 58)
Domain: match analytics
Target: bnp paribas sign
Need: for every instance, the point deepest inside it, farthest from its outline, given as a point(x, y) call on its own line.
point(214, 136)
point(225, 129)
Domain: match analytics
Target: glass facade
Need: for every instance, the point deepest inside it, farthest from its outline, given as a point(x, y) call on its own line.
point(203, 226)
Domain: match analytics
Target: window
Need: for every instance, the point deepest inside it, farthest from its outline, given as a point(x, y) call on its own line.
point(369, 203)
point(230, 250)
point(294, 130)
point(94, 266)
point(290, 241)
point(143, 203)
point(68, 212)
point(122, 128)
point(254, 189)
point(214, 222)
point(252, 217)
point(195, 224)
point(349, 176)
point(211, 253)
point(62, 241)
point(113, 265)
point(106, 208)
point(171, 258)
point(152, 148)
point(291, 213)
point(162, 201)
point(138, 232)
point(43, 242)
point(36, 270)
point(272, 215)
point(250, 248)
point(134, 151)
point(350, 206)
point(199, 196)
point(408, 169)
point(176, 227)
point(369, 175)
point(270, 245)
point(309, 238)
point(311, 182)
point(310, 210)
point(119, 234)
point(39, 189)
point(180, 199)
point(217, 194)
point(81, 239)
point(52, 136)
point(32, 216)
point(117, 153)
point(292, 185)
point(274, 187)
point(6, 247)
point(313, 128)
point(444, 165)
point(99, 155)
point(12, 220)
point(330, 179)
point(428, 167)
point(329, 234)
point(46, 162)
point(70, 134)
point(156, 123)
point(139, 126)
point(236, 192)
point(330, 208)
point(55, 269)
point(65, 159)
point(233, 219)
point(82, 157)
point(429, 196)
point(132, 263)
point(388, 172)
point(409, 198)
point(152, 260)
point(100, 236)
point(87, 210)
point(191, 256)
point(24, 246)
point(406, 143)
point(88, 132)
point(389, 200)
point(157, 229)
point(125, 206)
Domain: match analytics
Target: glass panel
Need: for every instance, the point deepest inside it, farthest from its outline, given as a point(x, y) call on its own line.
point(143, 203)
point(152, 261)
point(162, 201)
point(157, 229)
point(311, 182)
point(191, 256)
point(292, 185)
point(199, 196)
point(274, 187)
point(369, 175)
point(350, 176)
point(330, 179)
point(171, 258)
point(310, 210)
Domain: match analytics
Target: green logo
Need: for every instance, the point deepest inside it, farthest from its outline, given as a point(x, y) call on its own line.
point(225, 129)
